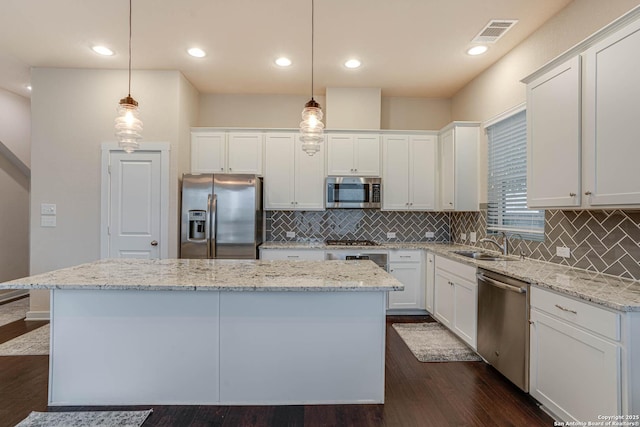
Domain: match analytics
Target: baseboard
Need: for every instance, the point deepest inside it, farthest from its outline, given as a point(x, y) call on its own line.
point(38, 315)
point(402, 311)
point(13, 294)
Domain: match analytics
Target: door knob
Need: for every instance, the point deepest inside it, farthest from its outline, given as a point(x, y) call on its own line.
point(154, 243)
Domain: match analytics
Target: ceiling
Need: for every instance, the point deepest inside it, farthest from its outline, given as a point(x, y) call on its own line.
point(410, 48)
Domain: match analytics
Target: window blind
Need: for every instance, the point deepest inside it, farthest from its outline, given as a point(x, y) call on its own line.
point(507, 174)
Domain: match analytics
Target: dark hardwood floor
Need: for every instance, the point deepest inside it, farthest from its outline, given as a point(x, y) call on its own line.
point(417, 394)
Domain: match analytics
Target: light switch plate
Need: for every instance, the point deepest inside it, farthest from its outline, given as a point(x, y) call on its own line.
point(391, 234)
point(47, 209)
point(429, 234)
point(563, 251)
point(463, 236)
point(291, 234)
point(47, 221)
point(473, 237)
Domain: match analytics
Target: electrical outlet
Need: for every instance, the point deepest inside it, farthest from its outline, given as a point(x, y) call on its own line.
point(48, 221)
point(429, 234)
point(563, 251)
point(47, 209)
point(463, 236)
point(291, 234)
point(391, 234)
point(473, 237)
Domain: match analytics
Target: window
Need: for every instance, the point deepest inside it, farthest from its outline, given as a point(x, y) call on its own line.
point(507, 207)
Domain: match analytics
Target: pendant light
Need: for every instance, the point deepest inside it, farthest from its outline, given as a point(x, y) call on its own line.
point(311, 126)
point(128, 125)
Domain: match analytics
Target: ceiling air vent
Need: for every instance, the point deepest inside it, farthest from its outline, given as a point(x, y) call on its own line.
point(494, 30)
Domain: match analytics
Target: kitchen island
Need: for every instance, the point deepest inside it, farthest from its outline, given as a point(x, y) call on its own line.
point(216, 332)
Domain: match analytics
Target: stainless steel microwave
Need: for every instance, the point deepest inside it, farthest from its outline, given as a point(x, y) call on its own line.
point(351, 192)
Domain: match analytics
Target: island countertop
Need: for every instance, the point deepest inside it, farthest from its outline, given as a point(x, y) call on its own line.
point(215, 275)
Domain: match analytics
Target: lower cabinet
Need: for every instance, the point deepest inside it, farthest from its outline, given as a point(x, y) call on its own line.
point(292, 254)
point(430, 281)
point(406, 266)
point(574, 369)
point(456, 298)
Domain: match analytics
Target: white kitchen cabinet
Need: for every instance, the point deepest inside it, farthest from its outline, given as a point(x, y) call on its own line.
point(293, 180)
point(456, 298)
point(582, 145)
point(409, 172)
point(459, 146)
point(406, 266)
point(226, 152)
point(430, 281)
point(353, 155)
point(575, 357)
point(292, 254)
point(553, 137)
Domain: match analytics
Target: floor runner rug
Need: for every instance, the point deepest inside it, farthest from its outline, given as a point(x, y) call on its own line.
point(432, 342)
point(33, 343)
point(86, 419)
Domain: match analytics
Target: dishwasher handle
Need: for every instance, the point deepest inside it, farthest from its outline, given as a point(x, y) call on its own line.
point(482, 278)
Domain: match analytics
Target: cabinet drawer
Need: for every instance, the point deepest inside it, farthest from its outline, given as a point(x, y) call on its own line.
point(292, 255)
point(585, 315)
point(405, 256)
point(465, 271)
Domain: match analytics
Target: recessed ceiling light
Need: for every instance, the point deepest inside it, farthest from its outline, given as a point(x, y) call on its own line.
point(196, 52)
point(102, 50)
point(352, 63)
point(28, 87)
point(477, 50)
point(283, 62)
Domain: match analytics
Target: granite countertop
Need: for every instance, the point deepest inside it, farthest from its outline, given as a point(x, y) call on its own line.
point(602, 289)
point(215, 275)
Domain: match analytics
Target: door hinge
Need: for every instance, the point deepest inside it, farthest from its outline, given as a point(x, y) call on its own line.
point(109, 169)
point(108, 230)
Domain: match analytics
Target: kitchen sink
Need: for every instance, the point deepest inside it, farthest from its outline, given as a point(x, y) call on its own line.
point(483, 256)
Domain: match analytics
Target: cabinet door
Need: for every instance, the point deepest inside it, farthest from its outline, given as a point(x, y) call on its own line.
point(575, 374)
point(292, 254)
point(309, 178)
point(409, 274)
point(279, 172)
point(430, 282)
point(465, 311)
point(367, 155)
point(340, 155)
point(395, 170)
point(611, 141)
point(208, 152)
point(422, 167)
point(447, 170)
point(245, 153)
point(443, 303)
point(553, 137)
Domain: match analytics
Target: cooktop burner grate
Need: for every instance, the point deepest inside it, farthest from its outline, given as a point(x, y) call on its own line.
point(350, 243)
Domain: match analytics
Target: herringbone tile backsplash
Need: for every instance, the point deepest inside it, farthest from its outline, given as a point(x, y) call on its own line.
point(357, 224)
point(602, 241)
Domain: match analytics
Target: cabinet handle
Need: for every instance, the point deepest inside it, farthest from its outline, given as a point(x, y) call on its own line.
point(293, 256)
point(405, 256)
point(222, 169)
point(566, 309)
point(572, 194)
point(587, 193)
point(391, 271)
point(451, 203)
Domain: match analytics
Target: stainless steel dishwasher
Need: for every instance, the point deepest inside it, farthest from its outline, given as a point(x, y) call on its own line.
point(503, 325)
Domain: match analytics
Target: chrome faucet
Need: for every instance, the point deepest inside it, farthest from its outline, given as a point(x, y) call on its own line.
point(504, 247)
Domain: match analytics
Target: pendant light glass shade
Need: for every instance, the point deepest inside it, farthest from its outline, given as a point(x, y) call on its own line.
point(311, 126)
point(128, 123)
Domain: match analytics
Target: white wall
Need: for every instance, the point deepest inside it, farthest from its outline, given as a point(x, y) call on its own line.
point(499, 89)
point(353, 108)
point(15, 137)
point(73, 112)
point(415, 113)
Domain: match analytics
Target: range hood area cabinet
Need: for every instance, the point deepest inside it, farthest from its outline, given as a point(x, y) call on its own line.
point(353, 154)
point(226, 152)
point(582, 111)
point(459, 156)
point(409, 171)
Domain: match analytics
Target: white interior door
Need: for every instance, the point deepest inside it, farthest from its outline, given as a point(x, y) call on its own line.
point(134, 227)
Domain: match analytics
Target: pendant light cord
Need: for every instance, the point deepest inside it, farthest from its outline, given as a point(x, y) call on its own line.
point(312, 32)
point(130, 48)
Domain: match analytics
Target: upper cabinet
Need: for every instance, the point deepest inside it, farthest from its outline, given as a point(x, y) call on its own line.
point(409, 172)
point(582, 147)
point(459, 146)
point(226, 152)
point(353, 155)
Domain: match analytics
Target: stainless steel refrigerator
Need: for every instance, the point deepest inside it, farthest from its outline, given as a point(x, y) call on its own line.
point(221, 216)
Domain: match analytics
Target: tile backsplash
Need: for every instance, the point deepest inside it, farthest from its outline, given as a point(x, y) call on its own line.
point(603, 241)
point(365, 224)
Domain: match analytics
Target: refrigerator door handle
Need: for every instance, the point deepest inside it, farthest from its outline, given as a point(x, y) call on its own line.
point(207, 226)
point(212, 237)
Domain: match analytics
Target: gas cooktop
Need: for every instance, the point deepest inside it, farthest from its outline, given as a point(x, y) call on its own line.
point(350, 243)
